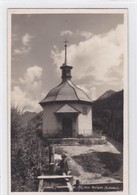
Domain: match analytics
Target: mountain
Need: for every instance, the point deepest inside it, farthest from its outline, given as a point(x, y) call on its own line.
point(36, 121)
point(108, 115)
point(26, 117)
point(106, 94)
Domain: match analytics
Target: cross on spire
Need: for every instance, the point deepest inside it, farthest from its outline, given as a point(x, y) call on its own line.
point(65, 51)
point(66, 69)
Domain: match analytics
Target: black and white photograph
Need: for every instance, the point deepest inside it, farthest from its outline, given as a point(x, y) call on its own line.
point(68, 100)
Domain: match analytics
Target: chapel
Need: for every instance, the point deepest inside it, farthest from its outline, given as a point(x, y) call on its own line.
point(67, 110)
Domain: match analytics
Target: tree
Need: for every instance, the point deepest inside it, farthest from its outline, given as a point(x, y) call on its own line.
point(16, 112)
point(28, 153)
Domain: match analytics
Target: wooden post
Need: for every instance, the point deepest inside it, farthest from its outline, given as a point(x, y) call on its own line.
point(51, 159)
point(41, 185)
point(70, 188)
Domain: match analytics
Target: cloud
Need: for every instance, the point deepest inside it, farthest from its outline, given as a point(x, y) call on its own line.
point(22, 50)
point(25, 46)
point(97, 60)
point(20, 98)
point(85, 34)
point(66, 33)
point(91, 91)
point(26, 39)
point(83, 88)
point(28, 91)
point(17, 51)
point(32, 74)
point(77, 33)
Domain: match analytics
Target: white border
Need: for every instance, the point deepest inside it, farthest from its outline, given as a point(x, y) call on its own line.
point(77, 11)
point(132, 10)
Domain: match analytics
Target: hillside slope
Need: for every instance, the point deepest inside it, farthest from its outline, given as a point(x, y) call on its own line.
point(108, 115)
point(106, 94)
point(26, 117)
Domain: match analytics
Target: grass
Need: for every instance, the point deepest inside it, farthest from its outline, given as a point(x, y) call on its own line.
point(104, 163)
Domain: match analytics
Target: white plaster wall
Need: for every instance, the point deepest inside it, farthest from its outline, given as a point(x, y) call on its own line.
point(84, 121)
point(51, 125)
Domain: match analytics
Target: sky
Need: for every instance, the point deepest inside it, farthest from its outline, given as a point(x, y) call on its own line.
point(95, 50)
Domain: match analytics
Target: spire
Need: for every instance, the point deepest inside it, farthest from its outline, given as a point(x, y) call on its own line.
point(66, 69)
point(65, 62)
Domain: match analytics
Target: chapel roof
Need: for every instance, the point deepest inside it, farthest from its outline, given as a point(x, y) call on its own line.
point(66, 91)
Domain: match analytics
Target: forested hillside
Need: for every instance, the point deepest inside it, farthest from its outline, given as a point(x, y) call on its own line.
point(26, 117)
point(108, 115)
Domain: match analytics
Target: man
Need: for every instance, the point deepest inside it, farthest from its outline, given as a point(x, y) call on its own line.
point(64, 165)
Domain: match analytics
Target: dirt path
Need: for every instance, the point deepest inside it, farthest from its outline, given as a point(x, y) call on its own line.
point(84, 159)
point(77, 150)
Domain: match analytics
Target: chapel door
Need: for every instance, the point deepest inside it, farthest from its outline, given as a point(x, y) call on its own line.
point(67, 127)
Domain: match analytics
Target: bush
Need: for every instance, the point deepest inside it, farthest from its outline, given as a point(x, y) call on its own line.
point(28, 155)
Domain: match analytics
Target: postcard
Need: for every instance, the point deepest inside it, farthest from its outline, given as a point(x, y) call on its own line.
point(68, 102)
